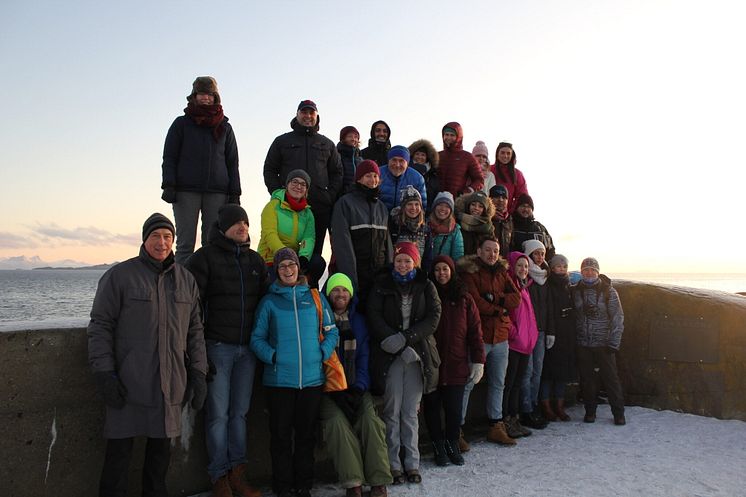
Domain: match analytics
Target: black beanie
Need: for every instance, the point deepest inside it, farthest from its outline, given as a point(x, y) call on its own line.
point(525, 199)
point(230, 214)
point(154, 222)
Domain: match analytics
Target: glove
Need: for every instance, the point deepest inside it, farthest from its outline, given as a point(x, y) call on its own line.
point(196, 389)
point(394, 343)
point(303, 263)
point(169, 195)
point(476, 372)
point(488, 297)
point(211, 370)
point(110, 389)
point(234, 199)
point(550, 341)
point(409, 355)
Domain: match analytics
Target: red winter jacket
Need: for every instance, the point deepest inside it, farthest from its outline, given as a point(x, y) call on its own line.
point(457, 168)
point(458, 336)
point(515, 189)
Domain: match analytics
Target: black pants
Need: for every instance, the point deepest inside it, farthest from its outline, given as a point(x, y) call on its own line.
point(450, 398)
point(293, 417)
point(605, 359)
point(117, 462)
point(517, 364)
point(322, 217)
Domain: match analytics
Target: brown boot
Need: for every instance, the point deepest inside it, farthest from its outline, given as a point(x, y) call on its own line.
point(498, 435)
point(546, 410)
point(463, 445)
point(354, 492)
point(561, 414)
point(378, 491)
point(221, 488)
point(239, 485)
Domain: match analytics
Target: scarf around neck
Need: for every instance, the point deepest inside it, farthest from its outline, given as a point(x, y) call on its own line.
point(296, 205)
point(476, 224)
point(538, 273)
point(208, 116)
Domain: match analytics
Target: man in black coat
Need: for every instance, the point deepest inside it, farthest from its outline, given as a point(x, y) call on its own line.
point(305, 148)
point(379, 143)
point(232, 279)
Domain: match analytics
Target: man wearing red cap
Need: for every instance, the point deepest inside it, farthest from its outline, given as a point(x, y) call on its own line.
point(360, 239)
point(305, 148)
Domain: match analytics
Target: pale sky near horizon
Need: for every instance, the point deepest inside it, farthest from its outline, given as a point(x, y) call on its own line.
point(628, 118)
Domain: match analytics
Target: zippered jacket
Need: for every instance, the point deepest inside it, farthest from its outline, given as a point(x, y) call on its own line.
point(284, 227)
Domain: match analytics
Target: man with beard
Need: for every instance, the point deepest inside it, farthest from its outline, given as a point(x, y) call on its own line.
point(379, 143)
point(360, 239)
point(525, 227)
point(502, 221)
point(306, 149)
point(200, 165)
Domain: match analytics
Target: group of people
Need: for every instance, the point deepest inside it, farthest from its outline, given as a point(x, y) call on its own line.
point(439, 275)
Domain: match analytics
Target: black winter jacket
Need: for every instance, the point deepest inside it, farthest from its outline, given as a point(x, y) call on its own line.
point(559, 361)
point(194, 162)
point(378, 152)
point(385, 319)
point(232, 279)
point(543, 308)
point(304, 148)
point(530, 229)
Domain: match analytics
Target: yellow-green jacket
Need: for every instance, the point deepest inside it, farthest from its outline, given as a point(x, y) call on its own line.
point(283, 227)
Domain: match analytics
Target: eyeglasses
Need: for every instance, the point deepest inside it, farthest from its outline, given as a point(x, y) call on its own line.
point(286, 267)
point(300, 183)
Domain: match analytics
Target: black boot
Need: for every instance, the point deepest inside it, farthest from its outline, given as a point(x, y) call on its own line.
point(454, 454)
point(441, 457)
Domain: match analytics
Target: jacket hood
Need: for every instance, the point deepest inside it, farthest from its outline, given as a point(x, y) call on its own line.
point(459, 145)
point(462, 203)
point(432, 155)
point(470, 264)
point(373, 127)
point(296, 126)
point(218, 238)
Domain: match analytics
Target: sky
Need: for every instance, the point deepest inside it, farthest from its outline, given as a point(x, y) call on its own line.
point(627, 117)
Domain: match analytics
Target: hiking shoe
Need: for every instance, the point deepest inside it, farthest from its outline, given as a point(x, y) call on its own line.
point(619, 420)
point(221, 487)
point(498, 434)
point(463, 445)
point(379, 491)
point(441, 456)
point(239, 485)
point(354, 492)
point(453, 453)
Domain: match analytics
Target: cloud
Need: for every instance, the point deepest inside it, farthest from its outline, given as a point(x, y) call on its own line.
point(82, 235)
point(13, 241)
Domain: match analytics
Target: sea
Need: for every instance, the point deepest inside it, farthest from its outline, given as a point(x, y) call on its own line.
point(62, 298)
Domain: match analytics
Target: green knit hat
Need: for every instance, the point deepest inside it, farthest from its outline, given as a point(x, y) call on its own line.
point(338, 279)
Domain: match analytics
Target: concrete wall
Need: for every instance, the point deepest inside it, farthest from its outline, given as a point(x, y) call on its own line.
point(682, 350)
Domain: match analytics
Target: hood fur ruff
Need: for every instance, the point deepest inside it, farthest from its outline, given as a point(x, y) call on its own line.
point(432, 155)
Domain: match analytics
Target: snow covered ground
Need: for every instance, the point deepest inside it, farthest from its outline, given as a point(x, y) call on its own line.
point(657, 454)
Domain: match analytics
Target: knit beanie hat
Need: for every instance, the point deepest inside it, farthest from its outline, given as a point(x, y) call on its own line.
point(590, 262)
point(529, 246)
point(307, 104)
point(230, 214)
point(481, 149)
point(409, 195)
point(558, 260)
point(525, 199)
point(398, 151)
point(285, 254)
point(346, 131)
point(365, 167)
point(154, 222)
point(339, 279)
point(443, 198)
point(298, 173)
point(409, 249)
point(205, 84)
point(477, 196)
point(445, 260)
point(498, 191)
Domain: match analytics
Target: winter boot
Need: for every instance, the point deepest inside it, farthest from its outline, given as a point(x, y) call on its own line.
point(463, 445)
point(379, 491)
point(453, 453)
point(354, 492)
point(561, 414)
point(441, 457)
point(590, 416)
point(497, 434)
point(533, 420)
point(546, 410)
point(511, 427)
point(239, 485)
point(221, 488)
point(525, 432)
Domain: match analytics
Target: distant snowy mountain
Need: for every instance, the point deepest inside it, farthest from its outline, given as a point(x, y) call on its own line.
point(23, 262)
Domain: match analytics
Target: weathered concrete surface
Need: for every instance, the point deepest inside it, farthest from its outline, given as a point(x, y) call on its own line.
point(45, 383)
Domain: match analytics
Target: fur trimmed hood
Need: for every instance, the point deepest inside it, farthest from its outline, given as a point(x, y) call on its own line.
point(432, 155)
point(470, 264)
point(461, 205)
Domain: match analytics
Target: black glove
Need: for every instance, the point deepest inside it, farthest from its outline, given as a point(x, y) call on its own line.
point(234, 198)
point(342, 399)
point(355, 397)
point(196, 389)
point(488, 297)
point(303, 263)
point(210, 371)
point(110, 389)
point(169, 194)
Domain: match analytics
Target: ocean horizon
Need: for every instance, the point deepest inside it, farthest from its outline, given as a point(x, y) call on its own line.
point(62, 298)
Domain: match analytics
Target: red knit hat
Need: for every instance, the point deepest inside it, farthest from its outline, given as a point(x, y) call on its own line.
point(409, 249)
point(365, 167)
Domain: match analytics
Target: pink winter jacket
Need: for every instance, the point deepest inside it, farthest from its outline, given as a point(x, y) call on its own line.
point(523, 332)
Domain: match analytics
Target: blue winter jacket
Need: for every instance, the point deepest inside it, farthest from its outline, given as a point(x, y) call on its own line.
point(391, 186)
point(286, 337)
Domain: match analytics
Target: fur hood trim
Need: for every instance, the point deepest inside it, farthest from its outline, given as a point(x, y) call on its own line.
point(432, 155)
point(470, 264)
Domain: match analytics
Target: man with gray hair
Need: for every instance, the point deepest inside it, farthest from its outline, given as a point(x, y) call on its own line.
point(147, 352)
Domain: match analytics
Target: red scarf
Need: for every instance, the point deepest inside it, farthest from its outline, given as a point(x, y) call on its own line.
point(296, 205)
point(441, 228)
point(210, 116)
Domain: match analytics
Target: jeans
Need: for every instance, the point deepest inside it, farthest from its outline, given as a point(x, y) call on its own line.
point(228, 401)
point(186, 214)
point(117, 463)
point(532, 377)
point(495, 367)
point(552, 389)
